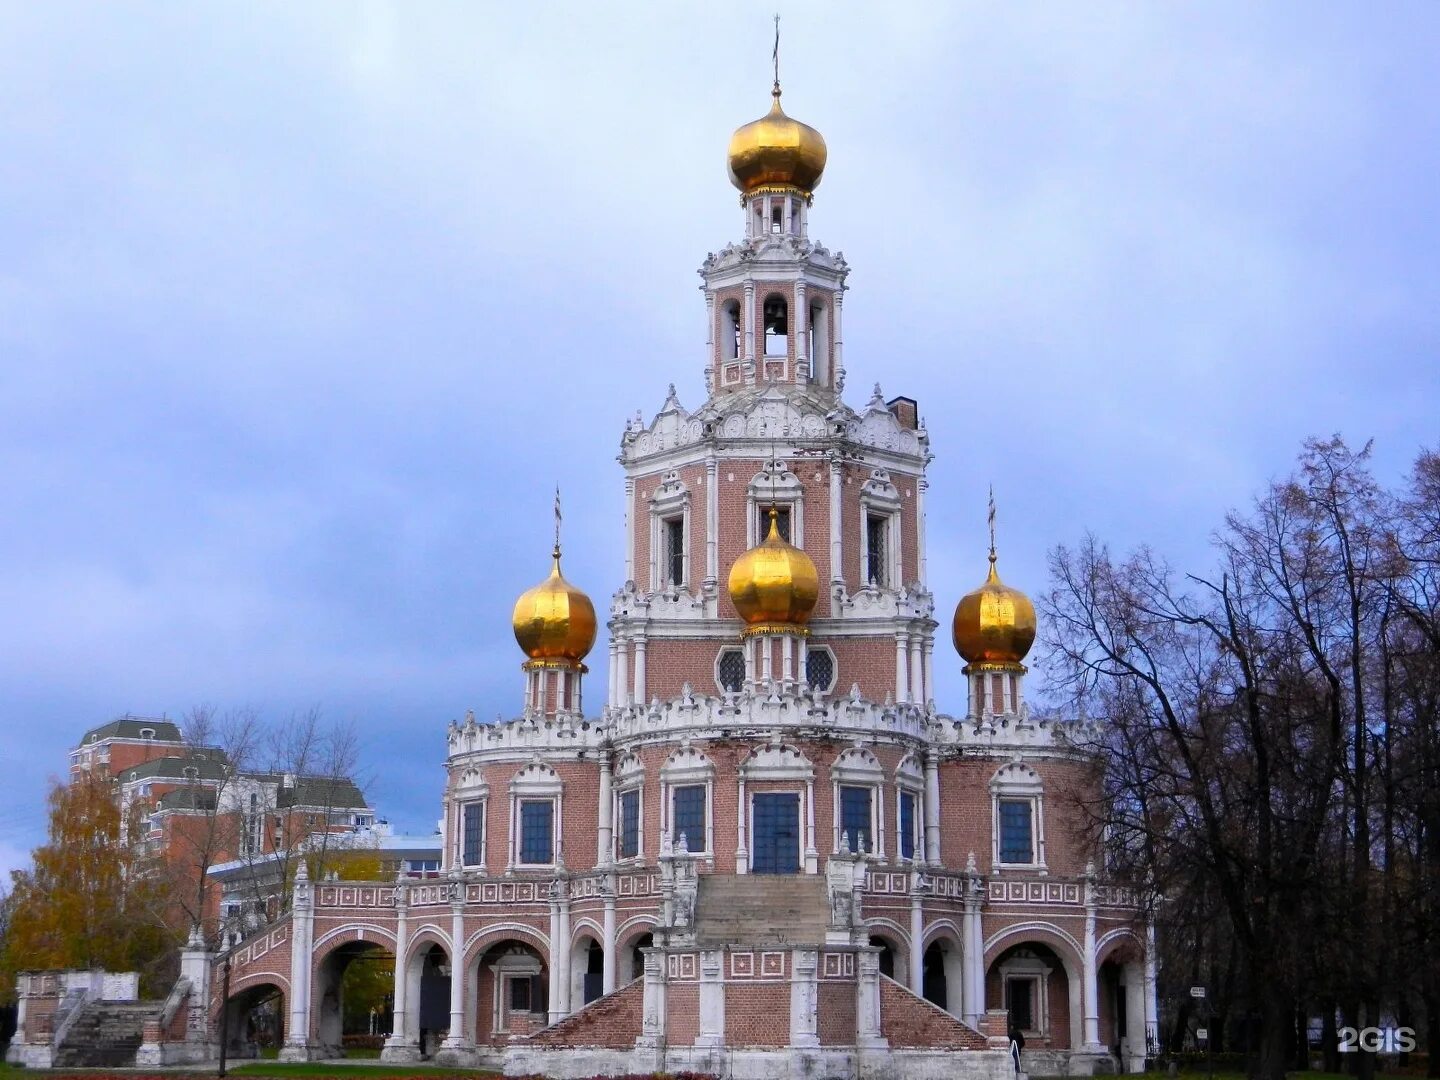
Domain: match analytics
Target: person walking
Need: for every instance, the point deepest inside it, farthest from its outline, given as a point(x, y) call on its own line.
point(1017, 1043)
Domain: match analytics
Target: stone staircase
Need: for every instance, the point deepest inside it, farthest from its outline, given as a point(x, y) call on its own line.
point(106, 1034)
point(761, 909)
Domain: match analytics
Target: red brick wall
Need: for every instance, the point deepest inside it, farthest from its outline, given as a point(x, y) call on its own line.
point(757, 1014)
point(612, 1021)
point(836, 1020)
point(910, 1021)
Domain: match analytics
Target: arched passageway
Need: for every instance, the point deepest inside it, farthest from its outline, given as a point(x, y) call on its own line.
point(353, 988)
point(587, 971)
point(632, 958)
point(887, 957)
point(254, 1020)
point(1040, 992)
point(942, 974)
point(511, 992)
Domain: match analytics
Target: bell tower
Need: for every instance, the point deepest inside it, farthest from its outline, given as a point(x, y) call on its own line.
point(774, 299)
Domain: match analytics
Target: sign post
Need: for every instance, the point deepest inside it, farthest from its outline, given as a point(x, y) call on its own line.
point(1203, 1034)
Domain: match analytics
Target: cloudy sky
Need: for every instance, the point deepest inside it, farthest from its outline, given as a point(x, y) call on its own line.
point(305, 309)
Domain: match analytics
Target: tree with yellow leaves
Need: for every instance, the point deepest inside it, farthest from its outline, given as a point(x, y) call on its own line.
point(89, 899)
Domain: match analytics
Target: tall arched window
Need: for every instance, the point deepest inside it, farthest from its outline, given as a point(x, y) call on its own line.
point(730, 330)
point(777, 326)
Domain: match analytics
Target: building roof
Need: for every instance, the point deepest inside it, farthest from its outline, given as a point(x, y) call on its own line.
point(187, 799)
point(130, 727)
point(325, 792)
point(208, 765)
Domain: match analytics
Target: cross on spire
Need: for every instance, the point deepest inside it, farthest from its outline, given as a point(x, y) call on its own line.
point(557, 521)
point(775, 56)
point(991, 517)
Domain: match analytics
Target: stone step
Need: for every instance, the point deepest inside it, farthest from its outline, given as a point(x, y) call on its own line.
point(761, 909)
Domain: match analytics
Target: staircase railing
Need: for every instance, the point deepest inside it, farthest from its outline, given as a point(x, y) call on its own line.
point(68, 1011)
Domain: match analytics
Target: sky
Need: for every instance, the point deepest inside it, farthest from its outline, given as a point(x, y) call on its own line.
point(305, 309)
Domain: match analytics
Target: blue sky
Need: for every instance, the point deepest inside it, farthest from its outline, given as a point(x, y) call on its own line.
point(305, 309)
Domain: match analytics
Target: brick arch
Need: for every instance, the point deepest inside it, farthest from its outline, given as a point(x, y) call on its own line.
point(888, 928)
point(1065, 947)
point(480, 942)
point(345, 935)
point(942, 928)
point(259, 978)
point(1118, 942)
point(422, 939)
point(632, 928)
point(586, 928)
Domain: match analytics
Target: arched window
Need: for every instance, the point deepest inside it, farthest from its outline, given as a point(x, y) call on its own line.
point(777, 326)
point(730, 330)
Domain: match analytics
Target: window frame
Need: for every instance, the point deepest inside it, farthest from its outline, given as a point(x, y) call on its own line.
point(1016, 782)
point(775, 484)
point(865, 842)
point(670, 505)
point(623, 800)
point(520, 837)
point(688, 766)
point(536, 782)
point(462, 847)
point(718, 657)
point(811, 650)
point(858, 767)
point(880, 499)
point(676, 832)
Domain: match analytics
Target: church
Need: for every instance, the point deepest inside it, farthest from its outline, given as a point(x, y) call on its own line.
point(760, 848)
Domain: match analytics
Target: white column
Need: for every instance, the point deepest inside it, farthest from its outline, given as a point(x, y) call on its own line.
point(767, 662)
point(839, 344)
point(607, 977)
point(974, 955)
point(921, 484)
point(622, 674)
point(399, 1047)
point(556, 947)
point(605, 846)
point(917, 935)
point(917, 677)
point(712, 1000)
point(836, 570)
point(1134, 1017)
point(629, 529)
point(787, 660)
point(302, 925)
point(613, 681)
point(1089, 978)
point(641, 693)
point(812, 856)
point(800, 323)
point(742, 857)
point(929, 667)
point(804, 997)
point(455, 1039)
point(712, 354)
point(802, 661)
point(749, 364)
point(867, 999)
point(1152, 1004)
point(932, 809)
point(902, 668)
point(712, 521)
point(560, 951)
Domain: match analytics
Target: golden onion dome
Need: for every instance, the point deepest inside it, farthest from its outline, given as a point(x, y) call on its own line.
point(774, 584)
point(994, 624)
point(776, 151)
point(554, 620)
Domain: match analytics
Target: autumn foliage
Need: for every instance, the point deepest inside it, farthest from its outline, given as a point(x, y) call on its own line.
point(88, 901)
